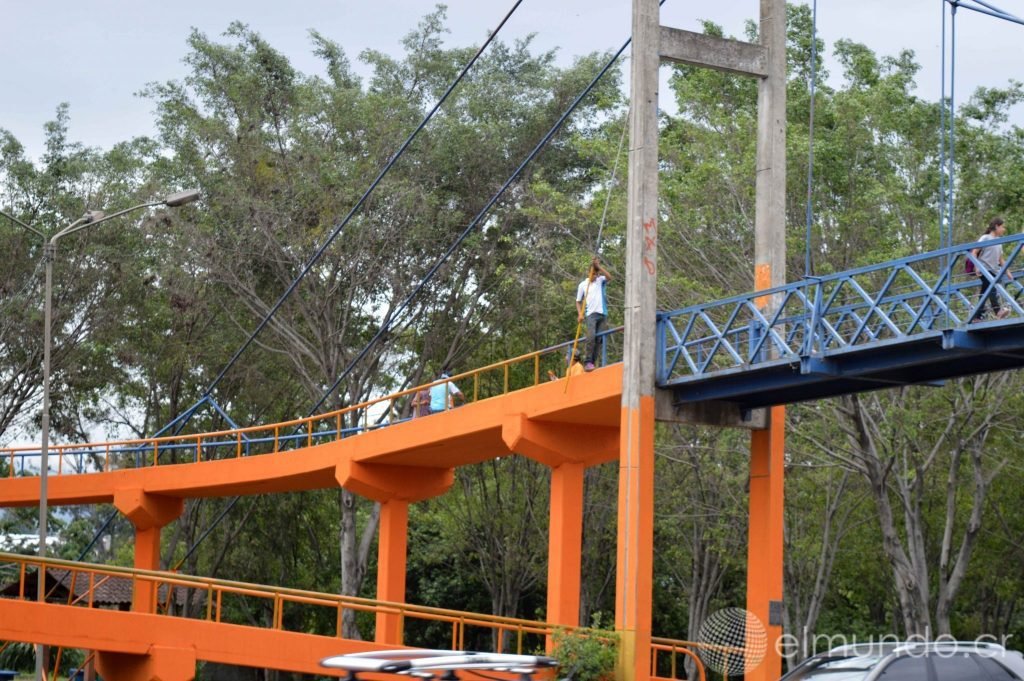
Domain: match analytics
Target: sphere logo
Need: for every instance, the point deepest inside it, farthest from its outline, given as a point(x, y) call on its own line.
point(733, 641)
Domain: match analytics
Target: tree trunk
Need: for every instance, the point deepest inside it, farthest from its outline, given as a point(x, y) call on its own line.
point(355, 551)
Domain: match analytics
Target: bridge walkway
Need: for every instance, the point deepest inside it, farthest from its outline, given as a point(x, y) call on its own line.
point(235, 623)
point(914, 320)
point(571, 419)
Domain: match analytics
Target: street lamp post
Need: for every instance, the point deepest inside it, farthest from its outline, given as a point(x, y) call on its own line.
point(90, 219)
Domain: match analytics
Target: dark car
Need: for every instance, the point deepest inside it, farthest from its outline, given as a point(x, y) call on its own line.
point(947, 661)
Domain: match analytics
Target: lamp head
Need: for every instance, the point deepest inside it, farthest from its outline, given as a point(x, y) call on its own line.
point(181, 198)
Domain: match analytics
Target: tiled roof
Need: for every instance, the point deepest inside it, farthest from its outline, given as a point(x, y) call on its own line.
point(107, 591)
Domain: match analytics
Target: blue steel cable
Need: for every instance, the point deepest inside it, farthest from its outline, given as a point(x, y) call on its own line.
point(942, 135)
point(952, 125)
point(990, 11)
point(206, 532)
point(355, 209)
point(944, 185)
point(96, 537)
point(390, 320)
point(335, 233)
point(810, 137)
point(433, 270)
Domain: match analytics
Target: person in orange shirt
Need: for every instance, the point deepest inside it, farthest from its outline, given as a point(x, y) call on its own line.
point(575, 367)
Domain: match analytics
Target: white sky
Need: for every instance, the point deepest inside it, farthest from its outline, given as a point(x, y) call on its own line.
point(96, 54)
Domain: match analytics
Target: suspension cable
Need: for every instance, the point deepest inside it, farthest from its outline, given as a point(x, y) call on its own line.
point(336, 231)
point(394, 315)
point(943, 183)
point(611, 183)
point(810, 137)
point(390, 320)
point(362, 199)
point(952, 125)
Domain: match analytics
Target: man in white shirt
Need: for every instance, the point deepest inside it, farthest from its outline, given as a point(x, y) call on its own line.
point(592, 306)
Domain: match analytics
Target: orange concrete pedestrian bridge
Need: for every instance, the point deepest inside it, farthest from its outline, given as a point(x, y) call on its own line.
point(567, 424)
point(733, 362)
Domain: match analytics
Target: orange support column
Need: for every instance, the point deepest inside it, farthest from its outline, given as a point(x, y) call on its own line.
point(394, 487)
point(568, 449)
point(147, 557)
point(391, 561)
point(764, 552)
point(565, 544)
point(635, 565)
point(148, 513)
point(635, 560)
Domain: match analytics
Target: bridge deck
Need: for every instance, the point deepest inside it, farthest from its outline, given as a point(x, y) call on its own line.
point(581, 409)
point(910, 321)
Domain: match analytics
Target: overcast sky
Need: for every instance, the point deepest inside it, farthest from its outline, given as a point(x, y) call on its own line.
point(97, 54)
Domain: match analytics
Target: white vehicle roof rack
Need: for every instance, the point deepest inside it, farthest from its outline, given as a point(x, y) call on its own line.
point(429, 664)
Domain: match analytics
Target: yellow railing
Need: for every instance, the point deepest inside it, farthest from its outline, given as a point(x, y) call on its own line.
point(230, 602)
point(678, 651)
point(489, 381)
point(224, 601)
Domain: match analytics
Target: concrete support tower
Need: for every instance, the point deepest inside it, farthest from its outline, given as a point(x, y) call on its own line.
point(765, 61)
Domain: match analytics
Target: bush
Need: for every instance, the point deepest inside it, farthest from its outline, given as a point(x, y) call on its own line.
point(586, 654)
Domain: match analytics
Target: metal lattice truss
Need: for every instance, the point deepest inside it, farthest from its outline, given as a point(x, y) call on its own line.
point(856, 311)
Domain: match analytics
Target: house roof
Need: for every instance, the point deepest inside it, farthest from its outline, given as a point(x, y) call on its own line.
point(107, 591)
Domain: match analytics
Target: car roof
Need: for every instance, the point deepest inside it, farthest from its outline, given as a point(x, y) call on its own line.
point(889, 647)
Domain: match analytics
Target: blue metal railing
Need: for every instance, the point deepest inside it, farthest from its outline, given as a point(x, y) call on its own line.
point(897, 301)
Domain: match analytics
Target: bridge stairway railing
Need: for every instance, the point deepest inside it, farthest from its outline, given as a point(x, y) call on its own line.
point(891, 302)
point(229, 602)
point(493, 380)
point(307, 612)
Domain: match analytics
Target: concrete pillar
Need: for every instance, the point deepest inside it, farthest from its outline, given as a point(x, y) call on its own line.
point(149, 513)
point(764, 558)
point(770, 187)
point(392, 548)
point(634, 563)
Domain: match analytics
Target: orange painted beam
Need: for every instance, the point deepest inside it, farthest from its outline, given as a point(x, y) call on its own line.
point(392, 548)
point(765, 536)
point(565, 545)
point(553, 444)
point(466, 435)
point(132, 633)
point(385, 482)
point(158, 664)
point(146, 511)
point(635, 560)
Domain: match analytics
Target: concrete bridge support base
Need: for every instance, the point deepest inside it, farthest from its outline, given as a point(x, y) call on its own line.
point(159, 664)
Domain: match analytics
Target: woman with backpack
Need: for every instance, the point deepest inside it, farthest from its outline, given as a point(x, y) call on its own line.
point(991, 258)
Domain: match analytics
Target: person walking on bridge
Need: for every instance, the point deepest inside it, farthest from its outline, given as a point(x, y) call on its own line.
point(991, 258)
point(591, 304)
point(444, 395)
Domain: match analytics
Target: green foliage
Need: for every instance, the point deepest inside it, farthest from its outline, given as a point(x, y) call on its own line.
point(586, 654)
point(150, 309)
